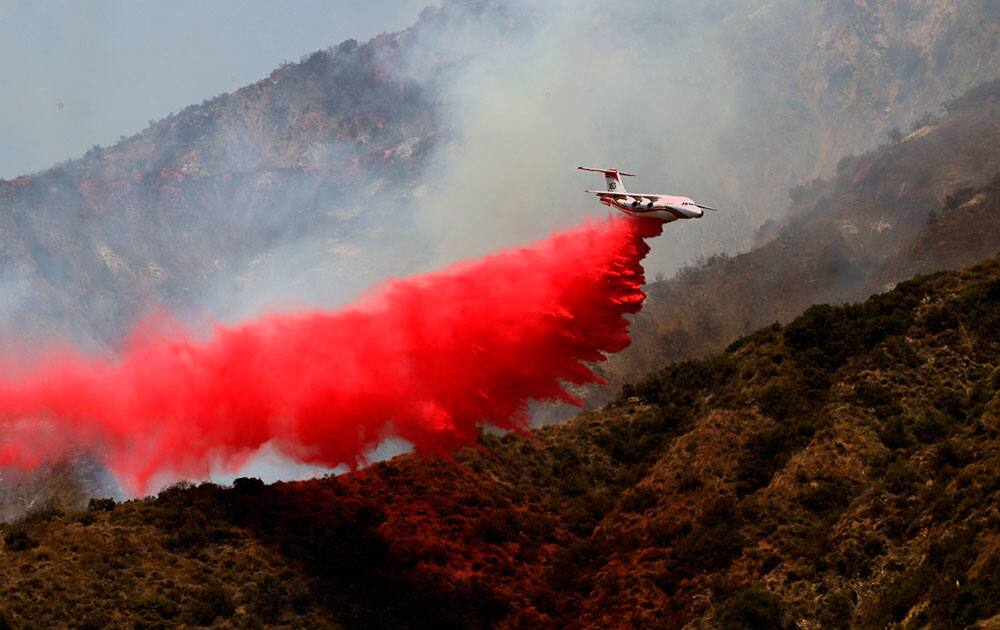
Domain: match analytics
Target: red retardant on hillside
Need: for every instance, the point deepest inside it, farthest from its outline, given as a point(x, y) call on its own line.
point(426, 359)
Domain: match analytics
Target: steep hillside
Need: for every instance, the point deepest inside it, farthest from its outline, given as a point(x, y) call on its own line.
point(831, 79)
point(928, 202)
point(838, 471)
point(205, 197)
point(331, 146)
point(302, 184)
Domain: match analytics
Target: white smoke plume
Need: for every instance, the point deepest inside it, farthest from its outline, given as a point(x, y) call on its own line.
point(638, 85)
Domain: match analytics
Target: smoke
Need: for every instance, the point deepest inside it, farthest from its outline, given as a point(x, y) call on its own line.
point(426, 359)
point(642, 86)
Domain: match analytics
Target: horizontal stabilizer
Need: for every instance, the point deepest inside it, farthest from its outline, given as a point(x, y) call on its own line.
point(605, 170)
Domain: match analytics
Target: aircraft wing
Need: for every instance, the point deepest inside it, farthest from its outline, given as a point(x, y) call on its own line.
point(608, 193)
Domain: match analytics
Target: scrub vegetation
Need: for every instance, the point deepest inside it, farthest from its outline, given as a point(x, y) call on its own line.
point(837, 471)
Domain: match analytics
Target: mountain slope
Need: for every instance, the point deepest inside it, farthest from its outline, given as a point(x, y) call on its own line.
point(301, 186)
point(333, 146)
point(831, 79)
point(840, 470)
point(926, 203)
point(197, 198)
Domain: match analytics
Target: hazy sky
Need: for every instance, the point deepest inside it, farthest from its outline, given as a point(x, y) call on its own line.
point(75, 74)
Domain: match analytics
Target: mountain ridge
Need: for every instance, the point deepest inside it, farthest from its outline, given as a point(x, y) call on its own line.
point(210, 204)
point(204, 200)
point(919, 205)
point(839, 470)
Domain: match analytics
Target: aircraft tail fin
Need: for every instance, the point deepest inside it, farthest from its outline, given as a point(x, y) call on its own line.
point(612, 175)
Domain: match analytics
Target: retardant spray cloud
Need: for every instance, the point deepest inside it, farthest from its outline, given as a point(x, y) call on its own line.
point(426, 359)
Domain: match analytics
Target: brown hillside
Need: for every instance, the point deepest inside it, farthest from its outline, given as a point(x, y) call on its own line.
point(210, 204)
point(924, 204)
point(840, 471)
point(834, 78)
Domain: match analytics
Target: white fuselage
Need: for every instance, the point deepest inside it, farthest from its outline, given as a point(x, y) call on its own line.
point(664, 208)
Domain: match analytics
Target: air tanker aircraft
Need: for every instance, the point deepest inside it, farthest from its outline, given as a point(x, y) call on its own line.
point(664, 208)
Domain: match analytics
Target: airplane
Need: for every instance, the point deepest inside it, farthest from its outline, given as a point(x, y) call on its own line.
point(664, 208)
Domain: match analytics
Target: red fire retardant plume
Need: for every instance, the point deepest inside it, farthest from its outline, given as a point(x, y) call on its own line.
point(426, 359)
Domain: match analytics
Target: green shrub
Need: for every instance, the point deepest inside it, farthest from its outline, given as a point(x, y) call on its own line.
point(300, 596)
point(101, 505)
point(900, 478)
point(836, 610)
point(208, 603)
point(827, 336)
point(852, 563)
point(496, 528)
point(705, 548)
point(951, 453)
point(48, 512)
point(941, 318)
point(980, 305)
point(894, 434)
point(951, 555)
point(640, 499)
point(677, 387)
point(932, 426)
point(488, 602)
point(635, 440)
point(786, 398)
point(954, 601)
point(826, 497)
point(248, 485)
point(751, 609)
point(86, 518)
point(574, 483)
point(900, 596)
point(689, 480)
point(953, 404)
point(92, 622)
point(154, 611)
point(187, 536)
point(271, 598)
point(573, 565)
point(872, 546)
point(766, 452)
point(875, 396)
point(973, 600)
point(18, 539)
